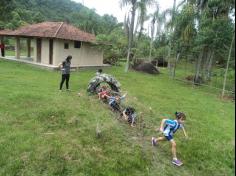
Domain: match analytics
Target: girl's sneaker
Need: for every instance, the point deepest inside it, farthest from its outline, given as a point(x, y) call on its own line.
point(177, 162)
point(154, 143)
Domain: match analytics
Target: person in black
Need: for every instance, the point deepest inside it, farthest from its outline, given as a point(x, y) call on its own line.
point(2, 46)
point(129, 115)
point(99, 72)
point(65, 72)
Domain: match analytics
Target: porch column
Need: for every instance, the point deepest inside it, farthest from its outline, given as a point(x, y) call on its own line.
point(17, 48)
point(28, 47)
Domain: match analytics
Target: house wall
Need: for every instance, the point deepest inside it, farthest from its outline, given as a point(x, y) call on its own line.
point(45, 51)
point(87, 55)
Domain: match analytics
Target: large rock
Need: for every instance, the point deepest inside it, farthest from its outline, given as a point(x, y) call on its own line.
point(159, 62)
point(147, 68)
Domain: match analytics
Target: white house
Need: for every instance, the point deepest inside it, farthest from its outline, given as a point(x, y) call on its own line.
point(52, 42)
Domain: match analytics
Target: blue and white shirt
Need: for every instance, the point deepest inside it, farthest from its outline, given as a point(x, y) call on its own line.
point(111, 100)
point(171, 126)
point(65, 68)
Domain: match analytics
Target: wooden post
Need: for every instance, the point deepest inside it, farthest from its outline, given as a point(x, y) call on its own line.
point(17, 48)
point(28, 47)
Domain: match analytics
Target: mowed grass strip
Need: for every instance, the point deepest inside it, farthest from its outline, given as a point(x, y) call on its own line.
point(47, 132)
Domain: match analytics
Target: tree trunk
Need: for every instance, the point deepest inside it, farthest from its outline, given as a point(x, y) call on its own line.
point(171, 31)
point(151, 41)
point(175, 64)
point(209, 66)
point(205, 64)
point(131, 32)
point(136, 28)
point(168, 56)
point(227, 67)
point(198, 68)
point(150, 51)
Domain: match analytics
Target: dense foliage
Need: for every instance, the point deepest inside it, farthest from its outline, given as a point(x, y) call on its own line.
point(14, 13)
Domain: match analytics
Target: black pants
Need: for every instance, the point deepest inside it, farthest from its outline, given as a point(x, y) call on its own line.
point(115, 106)
point(63, 78)
point(3, 52)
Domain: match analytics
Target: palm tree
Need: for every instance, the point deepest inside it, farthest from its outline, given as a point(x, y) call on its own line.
point(173, 12)
point(157, 20)
point(142, 15)
point(134, 6)
point(184, 32)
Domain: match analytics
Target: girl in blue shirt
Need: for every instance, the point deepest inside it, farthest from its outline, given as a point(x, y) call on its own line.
point(168, 128)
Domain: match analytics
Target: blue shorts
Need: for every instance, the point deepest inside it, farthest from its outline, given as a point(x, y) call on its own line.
point(169, 137)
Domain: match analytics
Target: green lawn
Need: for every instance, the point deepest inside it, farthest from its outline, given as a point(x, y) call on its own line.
point(47, 132)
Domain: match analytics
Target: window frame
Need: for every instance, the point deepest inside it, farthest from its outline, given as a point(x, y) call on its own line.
point(77, 44)
point(66, 44)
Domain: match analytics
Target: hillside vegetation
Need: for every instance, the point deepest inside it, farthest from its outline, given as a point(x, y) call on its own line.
point(14, 14)
point(47, 132)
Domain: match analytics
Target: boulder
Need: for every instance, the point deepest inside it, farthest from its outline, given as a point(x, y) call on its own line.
point(147, 68)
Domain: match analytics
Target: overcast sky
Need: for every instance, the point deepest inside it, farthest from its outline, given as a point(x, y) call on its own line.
point(112, 7)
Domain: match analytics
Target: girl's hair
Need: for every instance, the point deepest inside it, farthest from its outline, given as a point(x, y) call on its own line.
point(130, 110)
point(100, 70)
point(68, 58)
point(180, 115)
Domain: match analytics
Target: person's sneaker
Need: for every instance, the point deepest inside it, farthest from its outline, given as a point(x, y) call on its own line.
point(67, 89)
point(154, 143)
point(177, 162)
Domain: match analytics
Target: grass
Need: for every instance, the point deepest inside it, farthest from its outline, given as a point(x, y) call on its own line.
point(46, 132)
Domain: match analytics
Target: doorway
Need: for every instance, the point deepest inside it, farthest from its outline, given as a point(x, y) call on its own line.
point(51, 51)
point(39, 45)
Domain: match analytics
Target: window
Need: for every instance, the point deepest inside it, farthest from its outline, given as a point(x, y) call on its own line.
point(66, 45)
point(77, 44)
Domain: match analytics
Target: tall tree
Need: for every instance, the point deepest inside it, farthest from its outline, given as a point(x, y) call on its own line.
point(134, 6)
point(173, 13)
point(157, 20)
point(184, 33)
point(214, 31)
point(142, 13)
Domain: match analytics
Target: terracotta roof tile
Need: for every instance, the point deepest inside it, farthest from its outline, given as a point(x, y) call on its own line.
point(6, 32)
point(59, 30)
point(70, 32)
